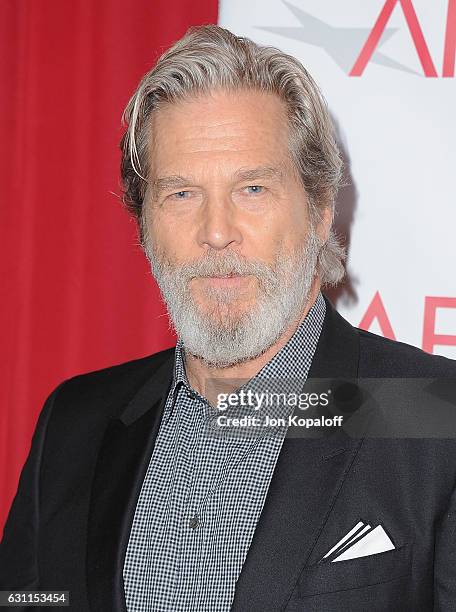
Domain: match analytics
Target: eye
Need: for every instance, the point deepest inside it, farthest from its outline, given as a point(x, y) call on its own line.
point(180, 195)
point(255, 189)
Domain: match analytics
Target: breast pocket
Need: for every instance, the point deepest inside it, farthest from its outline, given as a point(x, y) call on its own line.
point(356, 573)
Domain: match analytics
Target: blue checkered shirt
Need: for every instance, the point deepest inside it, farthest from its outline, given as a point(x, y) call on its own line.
point(205, 487)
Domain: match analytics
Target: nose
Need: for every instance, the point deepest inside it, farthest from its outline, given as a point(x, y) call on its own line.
point(219, 227)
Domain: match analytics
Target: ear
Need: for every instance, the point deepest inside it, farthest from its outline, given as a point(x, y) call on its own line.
point(324, 225)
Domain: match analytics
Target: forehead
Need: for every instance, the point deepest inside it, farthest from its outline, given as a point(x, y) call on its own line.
point(223, 128)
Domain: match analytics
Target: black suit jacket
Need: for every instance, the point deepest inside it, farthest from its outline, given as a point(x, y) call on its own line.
point(69, 524)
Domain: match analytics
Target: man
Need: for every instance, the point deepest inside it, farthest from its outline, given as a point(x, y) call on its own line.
point(136, 494)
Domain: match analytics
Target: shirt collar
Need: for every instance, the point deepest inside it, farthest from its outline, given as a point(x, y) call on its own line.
point(292, 363)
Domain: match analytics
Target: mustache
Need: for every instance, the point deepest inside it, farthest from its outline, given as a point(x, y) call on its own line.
point(215, 264)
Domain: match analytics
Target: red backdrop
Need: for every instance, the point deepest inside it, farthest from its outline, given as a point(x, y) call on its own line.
point(77, 294)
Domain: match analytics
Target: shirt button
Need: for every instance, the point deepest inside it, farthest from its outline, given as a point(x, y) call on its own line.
point(194, 522)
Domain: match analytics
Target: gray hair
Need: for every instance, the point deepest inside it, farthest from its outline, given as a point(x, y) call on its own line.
point(210, 57)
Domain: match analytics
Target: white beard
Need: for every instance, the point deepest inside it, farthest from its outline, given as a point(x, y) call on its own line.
point(222, 338)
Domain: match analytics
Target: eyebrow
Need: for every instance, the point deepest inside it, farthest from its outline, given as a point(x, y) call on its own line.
point(177, 181)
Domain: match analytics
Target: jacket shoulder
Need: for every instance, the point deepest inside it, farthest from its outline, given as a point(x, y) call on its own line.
point(109, 387)
point(381, 356)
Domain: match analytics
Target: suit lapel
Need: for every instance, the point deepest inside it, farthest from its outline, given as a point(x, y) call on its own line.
point(307, 479)
point(122, 463)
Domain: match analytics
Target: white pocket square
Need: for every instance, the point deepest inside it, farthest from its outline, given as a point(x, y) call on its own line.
point(361, 541)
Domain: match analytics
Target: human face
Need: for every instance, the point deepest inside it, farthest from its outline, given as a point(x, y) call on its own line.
point(221, 179)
